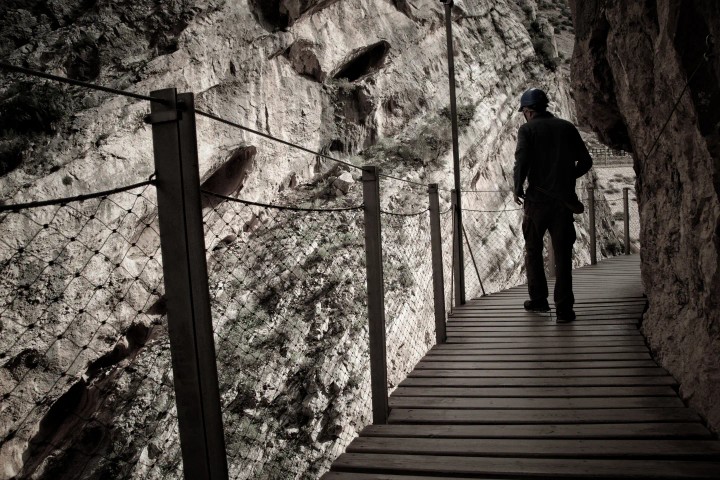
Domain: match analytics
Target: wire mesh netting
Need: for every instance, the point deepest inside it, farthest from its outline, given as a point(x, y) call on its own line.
point(617, 221)
point(87, 380)
point(446, 234)
point(409, 301)
point(290, 319)
point(608, 232)
point(493, 241)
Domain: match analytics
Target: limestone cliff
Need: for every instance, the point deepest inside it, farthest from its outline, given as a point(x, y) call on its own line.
point(363, 80)
point(633, 61)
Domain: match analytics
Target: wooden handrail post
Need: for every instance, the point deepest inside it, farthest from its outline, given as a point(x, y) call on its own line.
point(376, 294)
point(182, 241)
point(437, 264)
point(459, 273)
point(591, 213)
point(626, 216)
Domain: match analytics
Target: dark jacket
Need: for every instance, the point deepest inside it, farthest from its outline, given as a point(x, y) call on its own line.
point(551, 155)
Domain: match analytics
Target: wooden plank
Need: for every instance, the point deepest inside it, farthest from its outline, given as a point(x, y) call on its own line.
point(535, 327)
point(497, 416)
point(545, 467)
point(503, 365)
point(546, 322)
point(516, 304)
point(539, 448)
point(582, 299)
point(502, 299)
point(515, 313)
point(540, 357)
point(598, 297)
point(533, 392)
point(460, 349)
point(544, 372)
point(379, 476)
point(566, 342)
point(555, 403)
point(507, 313)
point(590, 430)
point(517, 308)
point(546, 328)
point(531, 334)
point(538, 381)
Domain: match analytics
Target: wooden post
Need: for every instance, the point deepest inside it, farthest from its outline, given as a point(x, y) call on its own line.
point(591, 212)
point(626, 216)
point(437, 263)
point(459, 267)
point(376, 294)
point(182, 241)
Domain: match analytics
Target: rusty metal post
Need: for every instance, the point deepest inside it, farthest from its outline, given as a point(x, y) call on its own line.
point(376, 294)
point(459, 267)
point(626, 216)
point(437, 264)
point(591, 213)
point(182, 241)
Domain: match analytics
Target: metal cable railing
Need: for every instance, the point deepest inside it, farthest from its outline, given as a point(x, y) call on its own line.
point(288, 305)
point(83, 344)
point(286, 292)
point(493, 227)
point(409, 310)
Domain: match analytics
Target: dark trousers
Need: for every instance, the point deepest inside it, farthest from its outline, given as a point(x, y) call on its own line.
point(539, 218)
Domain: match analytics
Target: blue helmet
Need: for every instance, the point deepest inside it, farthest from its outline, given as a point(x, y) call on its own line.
point(534, 97)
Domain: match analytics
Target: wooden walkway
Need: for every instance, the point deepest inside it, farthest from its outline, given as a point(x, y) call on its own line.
point(513, 395)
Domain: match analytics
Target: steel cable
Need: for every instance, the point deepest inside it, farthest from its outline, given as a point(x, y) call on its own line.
point(281, 207)
point(78, 83)
point(77, 198)
point(399, 214)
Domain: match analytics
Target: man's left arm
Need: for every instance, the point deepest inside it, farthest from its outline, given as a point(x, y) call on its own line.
point(584, 160)
point(522, 164)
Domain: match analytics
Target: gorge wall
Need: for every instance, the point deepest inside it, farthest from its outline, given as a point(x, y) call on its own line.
point(631, 64)
point(90, 389)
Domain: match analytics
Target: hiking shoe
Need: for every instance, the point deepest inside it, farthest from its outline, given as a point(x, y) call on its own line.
point(565, 316)
point(536, 306)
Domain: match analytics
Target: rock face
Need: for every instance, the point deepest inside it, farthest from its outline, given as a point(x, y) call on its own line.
point(86, 376)
point(633, 61)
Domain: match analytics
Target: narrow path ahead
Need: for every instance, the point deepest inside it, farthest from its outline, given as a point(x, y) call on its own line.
point(513, 395)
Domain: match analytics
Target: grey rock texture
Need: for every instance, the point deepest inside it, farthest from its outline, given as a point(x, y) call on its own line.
point(85, 370)
point(632, 62)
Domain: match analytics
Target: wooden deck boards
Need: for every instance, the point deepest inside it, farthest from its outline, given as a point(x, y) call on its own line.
point(513, 395)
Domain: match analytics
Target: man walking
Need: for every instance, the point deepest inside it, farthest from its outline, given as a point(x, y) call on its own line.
point(550, 154)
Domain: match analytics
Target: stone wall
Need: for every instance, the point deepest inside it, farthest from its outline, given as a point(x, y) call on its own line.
point(632, 62)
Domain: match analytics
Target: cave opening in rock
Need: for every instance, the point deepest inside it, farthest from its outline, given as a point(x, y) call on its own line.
point(336, 146)
point(366, 61)
point(268, 13)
